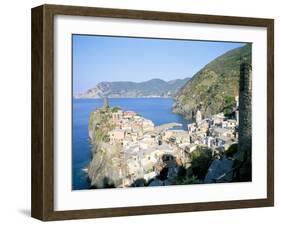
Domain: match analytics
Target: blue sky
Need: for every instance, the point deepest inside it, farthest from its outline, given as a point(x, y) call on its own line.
point(105, 58)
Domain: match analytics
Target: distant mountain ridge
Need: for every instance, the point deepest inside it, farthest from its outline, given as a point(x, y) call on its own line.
point(151, 88)
point(213, 89)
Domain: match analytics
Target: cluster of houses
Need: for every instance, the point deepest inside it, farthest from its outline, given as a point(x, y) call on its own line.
point(146, 149)
point(214, 132)
point(129, 128)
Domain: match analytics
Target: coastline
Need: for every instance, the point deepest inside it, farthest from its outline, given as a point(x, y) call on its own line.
point(119, 138)
point(150, 108)
point(130, 151)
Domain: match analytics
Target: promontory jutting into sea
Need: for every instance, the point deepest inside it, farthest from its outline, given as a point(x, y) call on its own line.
point(155, 133)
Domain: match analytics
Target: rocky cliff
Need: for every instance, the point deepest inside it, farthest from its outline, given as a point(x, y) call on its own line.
point(214, 87)
point(105, 168)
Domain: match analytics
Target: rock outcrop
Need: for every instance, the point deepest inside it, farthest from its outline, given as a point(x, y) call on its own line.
point(105, 169)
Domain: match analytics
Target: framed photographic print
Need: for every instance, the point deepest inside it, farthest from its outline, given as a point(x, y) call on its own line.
point(141, 112)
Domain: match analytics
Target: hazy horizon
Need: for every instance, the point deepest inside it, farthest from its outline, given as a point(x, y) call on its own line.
point(108, 59)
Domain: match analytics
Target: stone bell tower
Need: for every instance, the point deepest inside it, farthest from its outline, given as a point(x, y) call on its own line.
point(244, 153)
point(198, 116)
point(105, 103)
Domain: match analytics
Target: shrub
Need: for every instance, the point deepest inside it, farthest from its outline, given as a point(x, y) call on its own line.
point(115, 109)
point(106, 138)
point(232, 150)
point(229, 103)
point(229, 100)
point(200, 162)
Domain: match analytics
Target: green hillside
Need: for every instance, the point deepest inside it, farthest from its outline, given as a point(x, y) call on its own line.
point(214, 87)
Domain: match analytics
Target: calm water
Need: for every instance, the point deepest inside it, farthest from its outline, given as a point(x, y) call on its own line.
point(159, 110)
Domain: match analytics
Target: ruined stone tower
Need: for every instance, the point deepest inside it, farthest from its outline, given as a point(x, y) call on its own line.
point(105, 103)
point(245, 121)
point(198, 117)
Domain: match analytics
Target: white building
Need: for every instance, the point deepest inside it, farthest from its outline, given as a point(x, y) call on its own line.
point(218, 118)
point(198, 117)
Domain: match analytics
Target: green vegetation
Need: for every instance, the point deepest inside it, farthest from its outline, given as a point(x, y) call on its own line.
point(184, 178)
point(115, 109)
point(201, 160)
point(214, 87)
point(232, 150)
point(229, 104)
point(150, 169)
point(99, 125)
point(91, 121)
point(229, 100)
point(106, 138)
point(187, 180)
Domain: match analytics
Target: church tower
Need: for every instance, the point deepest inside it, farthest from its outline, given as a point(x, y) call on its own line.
point(198, 116)
point(105, 103)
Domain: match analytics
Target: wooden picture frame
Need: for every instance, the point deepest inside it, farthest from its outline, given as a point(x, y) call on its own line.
point(43, 112)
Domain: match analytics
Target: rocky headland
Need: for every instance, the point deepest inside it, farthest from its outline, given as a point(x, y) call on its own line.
point(124, 89)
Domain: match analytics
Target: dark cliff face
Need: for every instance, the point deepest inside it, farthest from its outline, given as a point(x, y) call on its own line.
point(214, 87)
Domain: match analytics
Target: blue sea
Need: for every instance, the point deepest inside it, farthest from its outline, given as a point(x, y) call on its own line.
point(159, 110)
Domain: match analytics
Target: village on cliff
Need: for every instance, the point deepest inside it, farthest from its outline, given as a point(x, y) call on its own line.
point(156, 153)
